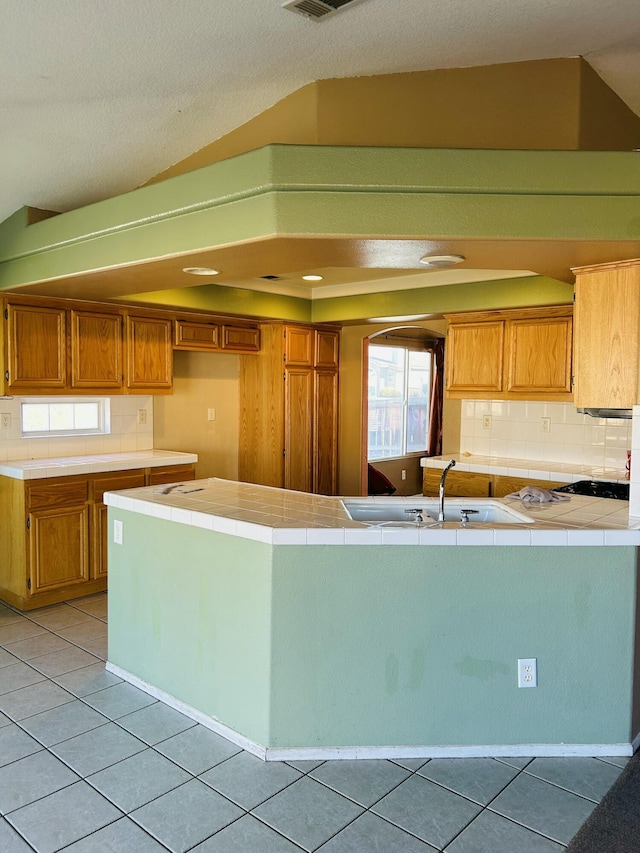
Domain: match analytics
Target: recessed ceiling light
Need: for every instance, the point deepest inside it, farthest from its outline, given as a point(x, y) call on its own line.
point(440, 261)
point(200, 271)
point(313, 277)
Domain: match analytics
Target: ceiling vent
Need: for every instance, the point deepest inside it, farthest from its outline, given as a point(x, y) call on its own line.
point(318, 10)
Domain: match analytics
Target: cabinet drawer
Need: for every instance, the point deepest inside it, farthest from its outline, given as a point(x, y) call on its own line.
point(48, 494)
point(115, 482)
point(174, 474)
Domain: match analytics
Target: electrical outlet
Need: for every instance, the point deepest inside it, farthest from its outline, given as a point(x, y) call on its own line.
point(546, 424)
point(486, 422)
point(527, 672)
point(404, 474)
point(211, 414)
point(142, 416)
point(117, 531)
point(5, 420)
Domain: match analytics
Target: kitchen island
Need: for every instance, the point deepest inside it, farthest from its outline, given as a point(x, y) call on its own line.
point(278, 621)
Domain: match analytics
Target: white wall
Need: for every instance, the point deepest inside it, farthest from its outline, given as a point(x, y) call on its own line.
point(516, 432)
point(126, 433)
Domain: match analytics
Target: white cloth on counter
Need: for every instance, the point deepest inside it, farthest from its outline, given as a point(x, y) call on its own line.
point(534, 494)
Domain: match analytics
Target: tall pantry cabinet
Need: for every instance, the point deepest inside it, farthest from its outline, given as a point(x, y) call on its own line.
point(288, 433)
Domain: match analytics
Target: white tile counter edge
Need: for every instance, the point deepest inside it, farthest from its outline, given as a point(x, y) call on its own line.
point(65, 466)
point(227, 506)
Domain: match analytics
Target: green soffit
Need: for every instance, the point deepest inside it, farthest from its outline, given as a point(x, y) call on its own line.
point(298, 190)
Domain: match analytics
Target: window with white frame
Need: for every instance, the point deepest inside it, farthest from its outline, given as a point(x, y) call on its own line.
point(398, 400)
point(47, 417)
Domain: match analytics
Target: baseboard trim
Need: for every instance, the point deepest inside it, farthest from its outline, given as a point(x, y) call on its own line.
point(189, 711)
point(529, 750)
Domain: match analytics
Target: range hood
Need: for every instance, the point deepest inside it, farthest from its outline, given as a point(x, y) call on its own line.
point(608, 413)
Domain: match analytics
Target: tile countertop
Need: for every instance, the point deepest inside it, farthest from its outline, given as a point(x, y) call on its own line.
point(62, 466)
point(558, 472)
point(282, 517)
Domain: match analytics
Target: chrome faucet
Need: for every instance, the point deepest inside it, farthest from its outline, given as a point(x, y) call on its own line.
point(441, 493)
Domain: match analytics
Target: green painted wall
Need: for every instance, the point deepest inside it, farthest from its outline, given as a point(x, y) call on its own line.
point(474, 296)
point(190, 613)
point(230, 300)
point(373, 646)
point(416, 645)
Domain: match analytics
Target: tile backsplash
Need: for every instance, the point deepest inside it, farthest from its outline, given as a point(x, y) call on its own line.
point(518, 430)
point(126, 433)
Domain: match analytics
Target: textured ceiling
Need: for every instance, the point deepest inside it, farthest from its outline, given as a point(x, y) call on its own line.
point(97, 97)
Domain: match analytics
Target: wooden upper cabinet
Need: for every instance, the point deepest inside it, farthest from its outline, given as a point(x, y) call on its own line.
point(197, 335)
point(475, 356)
point(326, 348)
point(96, 350)
point(298, 346)
point(607, 335)
point(240, 338)
point(540, 355)
point(36, 348)
point(149, 353)
point(523, 354)
point(209, 335)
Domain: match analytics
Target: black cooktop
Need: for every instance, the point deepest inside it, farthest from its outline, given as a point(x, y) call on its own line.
point(596, 489)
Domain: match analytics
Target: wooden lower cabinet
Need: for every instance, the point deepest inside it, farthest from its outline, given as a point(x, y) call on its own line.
point(460, 484)
point(503, 486)
point(58, 548)
point(53, 543)
point(468, 484)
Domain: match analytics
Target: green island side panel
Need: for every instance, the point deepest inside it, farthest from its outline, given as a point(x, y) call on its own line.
point(328, 646)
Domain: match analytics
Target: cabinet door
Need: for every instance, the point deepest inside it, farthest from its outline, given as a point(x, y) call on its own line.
point(325, 433)
point(298, 346)
point(540, 356)
point(474, 356)
point(607, 336)
point(194, 335)
point(240, 338)
point(326, 348)
point(298, 445)
point(99, 534)
point(36, 348)
point(459, 484)
point(58, 548)
point(149, 353)
point(96, 350)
